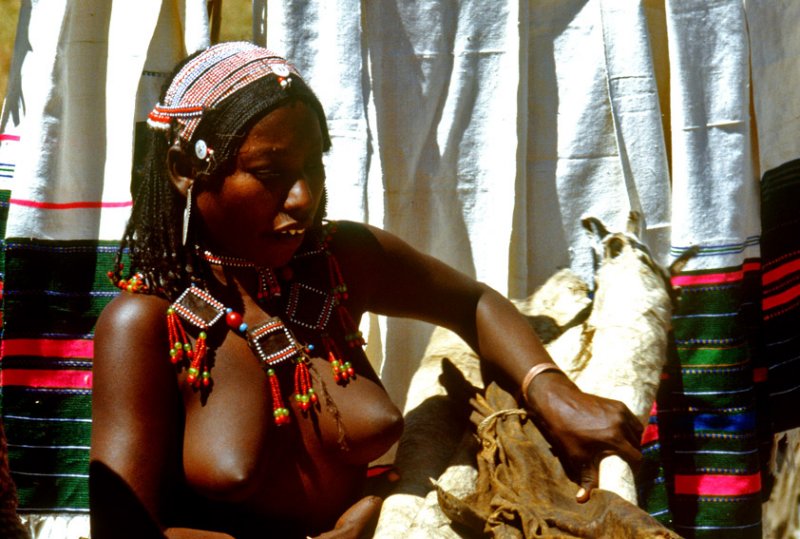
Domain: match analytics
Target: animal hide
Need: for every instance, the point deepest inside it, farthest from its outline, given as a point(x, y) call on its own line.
point(522, 490)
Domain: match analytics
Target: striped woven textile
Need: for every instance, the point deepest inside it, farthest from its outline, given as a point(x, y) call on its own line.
point(733, 382)
point(10, 525)
point(5, 195)
point(780, 193)
point(53, 293)
point(653, 492)
point(708, 438)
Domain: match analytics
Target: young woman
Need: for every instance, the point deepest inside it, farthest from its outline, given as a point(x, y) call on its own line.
point(231, 394)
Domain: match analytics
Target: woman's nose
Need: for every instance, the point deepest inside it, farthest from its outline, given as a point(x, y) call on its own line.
point(299, 199)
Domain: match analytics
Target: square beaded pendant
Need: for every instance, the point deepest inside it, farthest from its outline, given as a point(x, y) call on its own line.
point(198, 307)
point(272, 342)
point(309, 307)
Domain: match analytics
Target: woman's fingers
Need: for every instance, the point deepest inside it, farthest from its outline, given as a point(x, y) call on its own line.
point(624, 444)
point(627, 443)
point(630, 454)
point(590, 471)
point(584, 428)
point(589, 481)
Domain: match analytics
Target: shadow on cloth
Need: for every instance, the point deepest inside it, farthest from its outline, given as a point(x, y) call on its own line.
point(523, 491)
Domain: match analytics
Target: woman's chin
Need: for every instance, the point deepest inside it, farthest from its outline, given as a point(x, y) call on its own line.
point(278, 250)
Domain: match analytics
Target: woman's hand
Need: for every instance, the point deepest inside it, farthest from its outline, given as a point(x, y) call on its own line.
point(583, 428)
point(356, 521)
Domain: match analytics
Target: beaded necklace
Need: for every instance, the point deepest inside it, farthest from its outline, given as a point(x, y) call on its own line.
point(272, 342)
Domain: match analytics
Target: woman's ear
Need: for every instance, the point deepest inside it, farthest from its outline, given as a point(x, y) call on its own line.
point(180, 169)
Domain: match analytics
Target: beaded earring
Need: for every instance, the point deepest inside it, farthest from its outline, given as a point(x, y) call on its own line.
point(187, 215)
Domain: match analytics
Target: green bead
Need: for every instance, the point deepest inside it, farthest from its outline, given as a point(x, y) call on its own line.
point(193, 371)
point(173, 352)
point(304, 398)
point(202, 335)
point(178, 345)
point(270, 372)
point(310, 390)
point(187, 347)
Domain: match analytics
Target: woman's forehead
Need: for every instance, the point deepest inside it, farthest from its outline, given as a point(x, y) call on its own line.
point(289, 128)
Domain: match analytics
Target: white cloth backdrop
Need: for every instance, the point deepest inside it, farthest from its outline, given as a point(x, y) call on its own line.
point(69, 110)
point(479, 131)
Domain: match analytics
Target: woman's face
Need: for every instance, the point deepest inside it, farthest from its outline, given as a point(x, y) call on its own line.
point(263, 208)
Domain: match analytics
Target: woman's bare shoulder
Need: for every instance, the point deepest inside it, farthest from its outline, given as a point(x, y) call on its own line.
point(348, 232)
point(364, 241)
point(133, 309)
point(133, 378)
point(398, 279)
point(130, 318)
point(361, 253)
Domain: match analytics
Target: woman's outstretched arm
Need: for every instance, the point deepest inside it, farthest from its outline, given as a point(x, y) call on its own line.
point(401, 281)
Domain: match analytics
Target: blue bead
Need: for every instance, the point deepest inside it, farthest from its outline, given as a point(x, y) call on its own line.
point(242, 328)
point(310, 347)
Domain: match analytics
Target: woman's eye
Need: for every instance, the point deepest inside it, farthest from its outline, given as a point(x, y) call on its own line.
point(267, 175)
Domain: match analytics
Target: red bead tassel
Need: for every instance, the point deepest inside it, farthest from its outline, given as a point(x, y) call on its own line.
point(179, 347)
point(279, 411)
point(338, 286)
point(342, 370)
point(330, 230)
point(198, 368)
point(304, 394)
point(178, 341)
point(268, 285)
point(352, 335)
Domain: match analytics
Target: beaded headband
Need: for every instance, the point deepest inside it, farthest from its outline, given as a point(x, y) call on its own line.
point(209, 78)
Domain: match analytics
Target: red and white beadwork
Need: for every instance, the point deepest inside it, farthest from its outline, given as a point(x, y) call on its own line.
point(272, 342)
point(198, 307)
point(274, 332)
point(207, 80)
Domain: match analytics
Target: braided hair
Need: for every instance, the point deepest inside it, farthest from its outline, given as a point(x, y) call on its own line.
point(153, 237)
